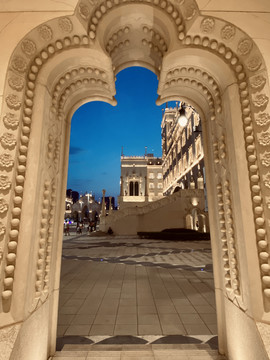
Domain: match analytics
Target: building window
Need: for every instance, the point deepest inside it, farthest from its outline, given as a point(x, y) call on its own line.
point(151, 186)
point(190, 155)
point(198, 146)
point(136, 188)
point(131, 188)
point(151, 176)
point(159, 176)
point(185, 162)
point(160, 186)
point(189, 130)
point(183, 138)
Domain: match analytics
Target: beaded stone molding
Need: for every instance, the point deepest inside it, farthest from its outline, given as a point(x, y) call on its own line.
point(179, 12)
point(243, 57)
point(230, 44)
point(25, 65)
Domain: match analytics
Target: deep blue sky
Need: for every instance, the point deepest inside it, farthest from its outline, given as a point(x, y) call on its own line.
point(99, 130)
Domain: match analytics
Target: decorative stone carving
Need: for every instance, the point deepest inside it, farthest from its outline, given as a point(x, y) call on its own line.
point(65, 24)
point(28, 47)
point(266, 180)
point(244, 47)
point(264, 138)
point(260, 100)
point(267, 201)
point(44, 249)
point(265, 158)
point(11, 121)
point(5, 184)
point(257, 82)
point(13, 101)
point(122, 32)
point(262, 119)
point(208, 25)
point(254, 63)
point(45, 32)
point(16, 82)
point(2, 229)
point(189, 11)
point(228, 32)
point(8, 140)
point(8, 336)
point(6, 161)
point(84, 11)
point(3, 205)
point(19, 64)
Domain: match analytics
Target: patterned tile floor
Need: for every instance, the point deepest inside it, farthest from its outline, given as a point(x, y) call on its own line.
point(154, 353)
point(116, 289)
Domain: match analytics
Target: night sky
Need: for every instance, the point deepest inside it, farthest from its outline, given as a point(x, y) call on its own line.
point(99, 130)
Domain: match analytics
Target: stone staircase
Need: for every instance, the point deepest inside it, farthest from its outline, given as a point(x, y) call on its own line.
point(168, 212)
point(138, 352)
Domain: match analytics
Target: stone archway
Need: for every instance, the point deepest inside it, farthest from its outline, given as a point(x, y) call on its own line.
point(69, 60)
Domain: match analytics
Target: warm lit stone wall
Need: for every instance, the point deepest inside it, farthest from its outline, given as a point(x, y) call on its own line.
point(56, 56)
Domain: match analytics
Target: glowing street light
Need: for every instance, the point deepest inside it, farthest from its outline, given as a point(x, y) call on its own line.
point(182, 119)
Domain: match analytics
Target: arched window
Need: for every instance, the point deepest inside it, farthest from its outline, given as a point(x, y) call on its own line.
point(131, 188)
point(136, 188)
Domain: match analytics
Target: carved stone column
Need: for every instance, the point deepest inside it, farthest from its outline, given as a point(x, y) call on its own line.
point(145, 187)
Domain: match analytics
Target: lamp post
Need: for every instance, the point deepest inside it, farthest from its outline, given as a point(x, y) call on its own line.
point(182, 119)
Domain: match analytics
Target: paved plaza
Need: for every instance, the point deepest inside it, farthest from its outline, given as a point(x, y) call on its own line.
point(132, 286)
point(121, 294)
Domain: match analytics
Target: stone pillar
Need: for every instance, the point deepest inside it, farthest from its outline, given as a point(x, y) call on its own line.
point(200, 182)
point(121, 186)
point(201, 221)
point(145, 187)
point(189, 221)
point(103, 207)
point(192, 183)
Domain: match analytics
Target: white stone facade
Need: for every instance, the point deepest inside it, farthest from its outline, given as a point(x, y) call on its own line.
point(141, 180)
point(182, 151)
point(55, 56)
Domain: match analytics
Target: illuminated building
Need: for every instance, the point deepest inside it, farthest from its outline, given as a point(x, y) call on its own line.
point(182, 151)
point(141, 180)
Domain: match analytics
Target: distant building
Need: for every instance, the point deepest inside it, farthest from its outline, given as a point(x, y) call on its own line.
point(68, 207)
point(73, 194)
point(86, 208)
point(182, 151)
point(141, 180)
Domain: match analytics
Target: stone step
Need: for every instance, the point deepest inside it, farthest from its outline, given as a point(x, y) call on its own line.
point(138, 352)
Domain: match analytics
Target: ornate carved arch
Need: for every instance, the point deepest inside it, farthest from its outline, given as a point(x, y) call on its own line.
point(204, 35)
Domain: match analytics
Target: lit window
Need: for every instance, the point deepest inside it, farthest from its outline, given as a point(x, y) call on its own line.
point(151, 176)
point(159, 175)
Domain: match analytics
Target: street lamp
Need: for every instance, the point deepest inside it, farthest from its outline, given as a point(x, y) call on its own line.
point(182, 119)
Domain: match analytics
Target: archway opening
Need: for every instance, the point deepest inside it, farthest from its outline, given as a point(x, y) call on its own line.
point(137, 294)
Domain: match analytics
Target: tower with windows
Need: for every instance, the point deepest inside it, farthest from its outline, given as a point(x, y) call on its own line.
point(141, 180)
